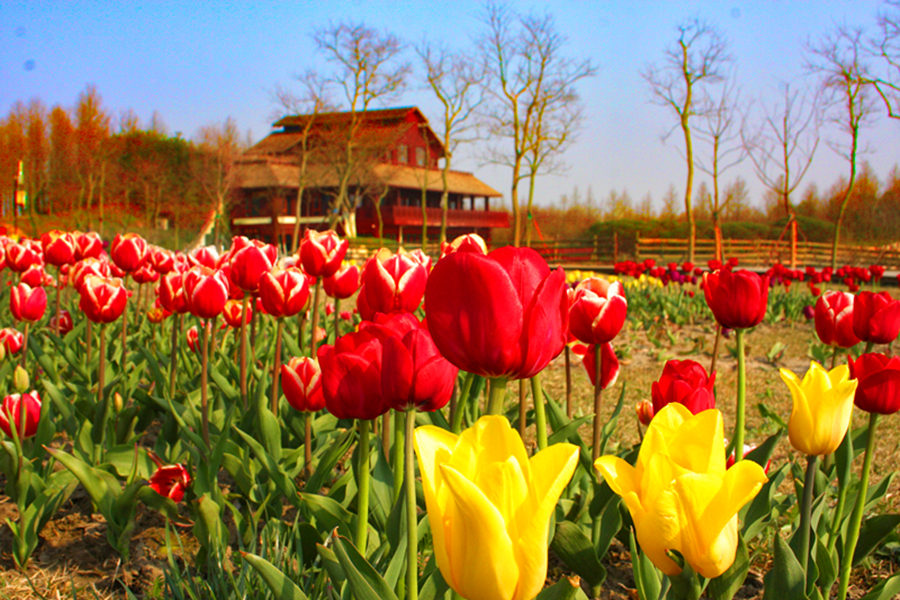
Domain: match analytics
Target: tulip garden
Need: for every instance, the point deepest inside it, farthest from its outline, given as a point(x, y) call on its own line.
point(475, 425)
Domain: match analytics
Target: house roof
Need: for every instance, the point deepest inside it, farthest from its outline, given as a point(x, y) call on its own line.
point(266, 172)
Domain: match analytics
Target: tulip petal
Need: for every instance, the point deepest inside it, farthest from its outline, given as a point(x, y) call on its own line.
point(490, 440)
point(697, 445)
point(433, 446)
point(488, 570)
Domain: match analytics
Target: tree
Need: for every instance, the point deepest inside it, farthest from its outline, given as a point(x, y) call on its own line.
point(717, 129)
point(782, 147)
point(885, 48)
point(63, 181)
point(453, 78)
point(837, 59)
point(530, 88)
point(92, 129)
point(695, 60)
point(368, 68)
point(218, 147)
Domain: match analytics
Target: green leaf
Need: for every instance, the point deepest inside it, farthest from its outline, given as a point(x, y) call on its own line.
point(873, 532)
point(786, 579)
point(573, 546)
point(567, 588)
point(647, 578)
point(325, 467)
point(362, 577)
point(826, 564)
point(278, 582)
point(726, 585)
point(886, 590)
point(94, 482)
point(328, 513)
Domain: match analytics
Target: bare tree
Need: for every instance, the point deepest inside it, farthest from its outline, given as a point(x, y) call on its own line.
point(695, 60)
point(368, 68)
point(885, 48)
point(718, 128)
point(782, 147)
point(529, 80)
point(453, 78)
point(219, 147)
point(837, 59)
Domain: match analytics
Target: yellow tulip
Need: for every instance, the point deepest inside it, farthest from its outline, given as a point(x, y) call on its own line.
point(489, 506)
point(823, 406)
point(679, 493)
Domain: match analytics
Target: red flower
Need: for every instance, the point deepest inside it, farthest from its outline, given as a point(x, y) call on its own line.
point(192, 335)
point(250, 262)
point(11, 413)
point(414, 372)
point(19, 257)
point(737, 298)
point(834, 319)
point(102, 298)
point(684, 382)
point(206, 256)
point(163, 260)
point(284, 293)
point(233, 310)
point(170, 481)
point(503, 314)
point(58, 247)
point(170, 292)
point(205, 291)
point(351, 375)
point(27, 303)
point(609, 365)
point(876, 317)
point(343, 283)
point(321, 253)
point(63, 320)
point(157, 314)
point(644, 410)
point(35, 276)
point(128, 251)
point(88, 245)
point(301, 382)
point(470, 242)
point(12, 340)
point(598, 310)
point(85, 267)
point(145, 274)
point(391, 283)
point(878, 390)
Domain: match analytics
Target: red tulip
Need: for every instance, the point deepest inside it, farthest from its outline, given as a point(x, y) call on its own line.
point(737, 298)
point(62, 322)
point(205, 291)
point(88, 245)
point(162, 260)
point(609, 365)
point(12, 340)
point(284, 293)
point(85, 267)
point(351, 375)
point(301, 382)
point(192, 335)
point(834, 319)
point(27, 303)
point(145, 274)
point(321, 253)
point(35, 276)
point(684, 382)
point(157, 314)
point(170, 481)
point(233, 310)
point(470, 242)
point(503, 314)
point(413, 371)
point(878, 390)
point(58, 247)
point(390, 283)
point(876, 317)
point(128, 251)
point(170, 292)
point(598, 310)
point(644, 411)
point(343, 283)
point(250, 262)
point(11, 414)
point(206, 256)
point(19, 257)
point(102, 298)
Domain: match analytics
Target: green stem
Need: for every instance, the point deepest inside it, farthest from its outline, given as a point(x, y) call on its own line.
point(204, 398)
point(598, 392)
point(25, 335)
point(838, 515)
point(834, 355)
point(412, 551)
point(540, 416)
point(741, 398)
point(243, 359)
point(362, 484)
point(307, 442)
point(456, 417)
point(124, 330)
point(568, 382)
point(856, 517)
point(805, 510)
point(397, 454)
point(497, 395)
point(314, 321)
point(869, 346)
point(522, 409)
point(337, 319)
point(101, 397)
point(173, 357)
point(276, 366)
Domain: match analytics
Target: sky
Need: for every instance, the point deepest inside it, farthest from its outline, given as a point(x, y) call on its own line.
point(198, 63)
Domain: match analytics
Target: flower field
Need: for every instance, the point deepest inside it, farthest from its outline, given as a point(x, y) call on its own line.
point(245, 424)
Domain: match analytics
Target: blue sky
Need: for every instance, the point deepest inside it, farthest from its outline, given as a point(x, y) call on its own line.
point(199, 62)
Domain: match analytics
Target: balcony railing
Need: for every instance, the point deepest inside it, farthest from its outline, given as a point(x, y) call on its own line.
point(412, 216)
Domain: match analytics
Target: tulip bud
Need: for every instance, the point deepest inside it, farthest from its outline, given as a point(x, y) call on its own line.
point(301, 382)
point(823, 407)
point(21, 381)
point(644, 412)
point(118, 403)
point(11, 413)
point(27, 303)
point(128, 251)
point(737, 299)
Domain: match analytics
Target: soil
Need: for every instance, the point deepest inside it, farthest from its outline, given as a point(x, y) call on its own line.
point(74, 560)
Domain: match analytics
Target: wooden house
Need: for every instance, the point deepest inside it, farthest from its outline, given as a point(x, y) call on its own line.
point(393, 162)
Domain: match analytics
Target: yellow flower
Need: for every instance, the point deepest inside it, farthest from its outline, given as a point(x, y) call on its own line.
point(823, 406)
point(489, 506)
point(680, 495)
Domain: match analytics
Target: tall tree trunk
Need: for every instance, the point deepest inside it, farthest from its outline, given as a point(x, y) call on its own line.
point(688, 206)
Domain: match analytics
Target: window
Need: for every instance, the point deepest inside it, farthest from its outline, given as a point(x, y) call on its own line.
point(420, 156)
point(402, 154)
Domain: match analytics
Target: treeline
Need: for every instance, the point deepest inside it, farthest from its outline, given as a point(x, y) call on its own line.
point(84, 168)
